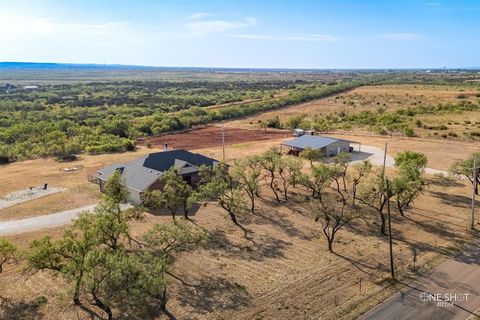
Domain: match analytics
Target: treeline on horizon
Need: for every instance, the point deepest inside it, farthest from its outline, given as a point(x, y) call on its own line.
point(61, 120)
point(97, 118)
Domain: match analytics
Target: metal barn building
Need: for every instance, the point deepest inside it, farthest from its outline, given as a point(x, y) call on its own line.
point(329, 146)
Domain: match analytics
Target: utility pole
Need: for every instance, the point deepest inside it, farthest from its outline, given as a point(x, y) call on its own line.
point(386, 187)
point(223, 141)
point(390, 242)
point(474, 188)
point(384, 162)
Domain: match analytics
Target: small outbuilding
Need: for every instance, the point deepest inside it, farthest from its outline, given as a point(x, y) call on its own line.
point(329, 146)
point(144, 174)
point(298, 132)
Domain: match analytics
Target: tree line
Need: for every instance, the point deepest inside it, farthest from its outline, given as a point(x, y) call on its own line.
point(60, 130)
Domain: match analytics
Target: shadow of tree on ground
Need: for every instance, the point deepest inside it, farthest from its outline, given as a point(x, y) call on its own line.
point(260, 247)
point(214, 293)
point(12, 309)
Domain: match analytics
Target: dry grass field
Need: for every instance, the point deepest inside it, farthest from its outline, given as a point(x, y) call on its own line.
point(455, 126)
point(284, 270)
point(389, 97)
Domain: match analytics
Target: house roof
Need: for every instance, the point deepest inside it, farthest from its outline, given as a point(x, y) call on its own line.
point(315, 142)
point(141, 173)
point(7, 86)
point(162, 161)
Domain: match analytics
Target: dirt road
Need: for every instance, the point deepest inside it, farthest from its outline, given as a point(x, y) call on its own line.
point(456, 282)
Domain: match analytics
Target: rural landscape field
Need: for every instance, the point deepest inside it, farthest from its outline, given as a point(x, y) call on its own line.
point(207, 160)
point(277, 265)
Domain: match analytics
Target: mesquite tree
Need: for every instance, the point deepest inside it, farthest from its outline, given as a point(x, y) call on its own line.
point(311, 155)
point(319, 178)
point(405, 191)
point(372, 193)
point(283, 177)
point(8, 253)
point(464, 168)
point(175, 193)
point(271, 162)
point(360, 172)
point(335, 208)
point(342, 161)
point(409, 183)
point(334, 213)
point(248, 172)
point(219, 185)
point(294, 167)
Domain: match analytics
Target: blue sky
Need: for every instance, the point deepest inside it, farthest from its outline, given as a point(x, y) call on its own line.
point(228, 33)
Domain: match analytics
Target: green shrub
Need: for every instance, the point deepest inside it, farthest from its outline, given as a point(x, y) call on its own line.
point(39, 301)
point(274, 122)
point(408, 132)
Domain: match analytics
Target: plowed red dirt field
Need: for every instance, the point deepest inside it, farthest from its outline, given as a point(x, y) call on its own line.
point(211, 136)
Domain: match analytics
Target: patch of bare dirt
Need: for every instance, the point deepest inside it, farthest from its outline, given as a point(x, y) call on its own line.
point(211, 136)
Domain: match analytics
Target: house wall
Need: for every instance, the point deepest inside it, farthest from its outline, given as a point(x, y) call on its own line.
point(134, 196)
point(332, 149)
point(101, 183)
point(195, 179)
point(157, 185)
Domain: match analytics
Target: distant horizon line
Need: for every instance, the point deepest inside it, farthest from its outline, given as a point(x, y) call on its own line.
point(138, 66)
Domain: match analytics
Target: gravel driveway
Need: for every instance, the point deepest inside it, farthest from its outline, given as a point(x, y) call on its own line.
point(375, 155)
point(47, 221)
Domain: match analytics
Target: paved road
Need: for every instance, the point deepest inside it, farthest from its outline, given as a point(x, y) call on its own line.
point(375, 155)
point(458, 276)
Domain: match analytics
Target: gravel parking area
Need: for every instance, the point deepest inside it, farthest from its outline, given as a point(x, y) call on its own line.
point(25, 195)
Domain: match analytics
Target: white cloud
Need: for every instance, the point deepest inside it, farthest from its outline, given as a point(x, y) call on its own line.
point(201, 27)
point(18, 26)
point(401, 36)
point(198, 15)
point(307, 37)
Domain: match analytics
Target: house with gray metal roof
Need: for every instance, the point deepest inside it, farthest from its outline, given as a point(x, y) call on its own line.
point(329, 146)
point(144, 173)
